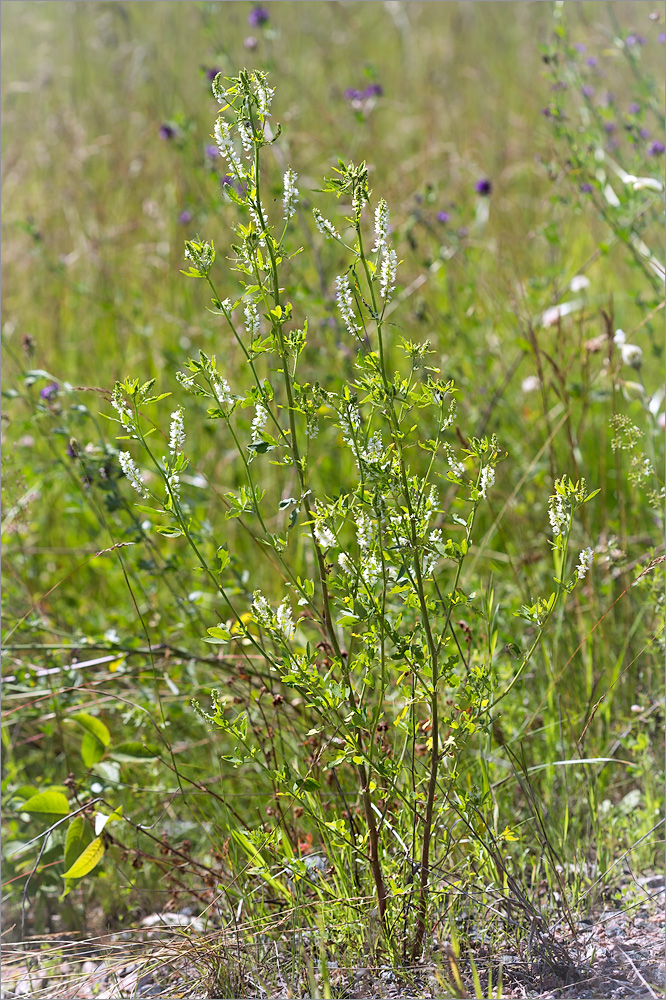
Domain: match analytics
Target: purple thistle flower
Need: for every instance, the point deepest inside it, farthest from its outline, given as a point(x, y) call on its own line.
point(592, 62)
point(443, 217)
point(634, 108)
point(71, 450)
point(185, 217)
point(579, 47)
point(610, 127)
point(352, 94)
point(634, 39)
point(225, 180)
point(211, 72)
point(656, 148)
point(167, 131)
point(211, 152)
point(587, 91)
point(644, 133)
point(257, 17)
point(373, 90)
point(49, 391)
point(483, 187)
point(586, 188)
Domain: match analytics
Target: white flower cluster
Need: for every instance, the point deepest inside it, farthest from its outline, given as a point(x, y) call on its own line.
point(245, 133)
point(222, 390)
point(264, 95)
point(486, 480)
point(224, 141)
point(251, 318)
point(131, 470)
point(457, 468)
point(345, 563)
point(388, 272)
point(558, 514)
point(256, 218)
point(381, 226)
point(290, 195)
point(346, 303)
point(259, 422)
point(123, 410)
point(282, 621)
point(370, 570)
point(322, 532)
point(363, 530)
point(324, 226)
point(173, 485)
point(285, 621)
point(177, 431)
point(584, 562)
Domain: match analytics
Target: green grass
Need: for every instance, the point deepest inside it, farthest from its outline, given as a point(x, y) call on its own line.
point(92, 255)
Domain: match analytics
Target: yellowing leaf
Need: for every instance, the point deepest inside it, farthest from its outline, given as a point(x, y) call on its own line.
point(86, 861)
point(51, 802)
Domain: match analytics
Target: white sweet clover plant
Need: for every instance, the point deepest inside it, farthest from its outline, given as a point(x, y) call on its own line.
point(365, 636)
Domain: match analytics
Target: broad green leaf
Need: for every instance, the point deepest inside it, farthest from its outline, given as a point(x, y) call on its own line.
point(51, 802)
point(94, 726)
point(92, 750)
point(87, 860)
point(78, 837)
point(133, 750)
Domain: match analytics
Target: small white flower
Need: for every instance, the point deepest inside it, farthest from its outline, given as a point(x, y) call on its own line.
point(584, 562)
point(579, 283)
point(631, 355)
point(285, 621)
point(256, 218)
point(619, 338)
point(123, 410)
point(346, 303)
point(264, 94)
point(290, 196)
point(324, 226)
point(131, 470)
point(486, 480)
point(530, 384)
point(177, 431)
point(370, 570)
point(553, 315)
point(173, 484)
point(381, 226)
point(251, 318)
point(259, 422)
point(388, 272)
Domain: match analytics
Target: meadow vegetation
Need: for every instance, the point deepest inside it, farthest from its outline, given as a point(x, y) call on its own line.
point(333, 482)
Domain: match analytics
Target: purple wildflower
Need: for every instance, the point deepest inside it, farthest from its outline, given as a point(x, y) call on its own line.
point(373, 90)
point(610, 127)
point(662, 38)
point(49, 391)
point(644, 133)
point(185, 217)
point(587, 91)
point(592, 62)
point(71, 450)
point(483, 187)
point(634, 108)
point(167, 131)
point(579, 47)
point(225, 180)
point(250, 43)
point(211, 72)
point(443, 217)
point(211, 152)
point(258, 16)
point(634, 39)
point(352, 94)
point(463, 232)
point(586, 188)
point(656, 148)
